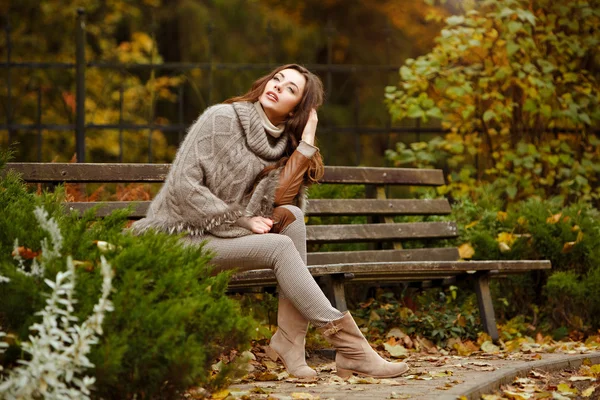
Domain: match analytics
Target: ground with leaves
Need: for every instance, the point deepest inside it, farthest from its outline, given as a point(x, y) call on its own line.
point(571, 383)
point(434, 373)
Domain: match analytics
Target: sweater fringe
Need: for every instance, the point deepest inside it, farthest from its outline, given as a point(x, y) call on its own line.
point(200, 228)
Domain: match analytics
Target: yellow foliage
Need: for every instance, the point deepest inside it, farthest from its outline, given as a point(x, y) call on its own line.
point(507, 238)
point(465, 250)
point(554, 219)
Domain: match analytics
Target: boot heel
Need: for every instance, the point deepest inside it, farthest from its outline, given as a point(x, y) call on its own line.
point(272, 354)
point(343, 373)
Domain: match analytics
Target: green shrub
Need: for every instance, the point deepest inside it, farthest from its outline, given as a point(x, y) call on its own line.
point(568, 236)
point(172, 318)
point(439, 315)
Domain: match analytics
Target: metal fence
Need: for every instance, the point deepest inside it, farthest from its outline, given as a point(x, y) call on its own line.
point(209, 67)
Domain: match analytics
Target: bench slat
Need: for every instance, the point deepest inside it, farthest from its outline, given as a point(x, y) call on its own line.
point(372, 232)
point(343, 257)
point(316, 207)
point(400, 271)
point(375, 176)
point(122, 172)
point(378, 207)
point(90, 172)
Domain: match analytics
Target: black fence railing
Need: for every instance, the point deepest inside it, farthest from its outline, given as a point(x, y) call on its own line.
point(177, 126)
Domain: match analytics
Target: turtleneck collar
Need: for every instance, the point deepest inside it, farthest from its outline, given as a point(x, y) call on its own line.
point(260, 142)
point(273, 130)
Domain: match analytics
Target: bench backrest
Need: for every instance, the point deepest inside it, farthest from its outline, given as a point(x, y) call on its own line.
point(379, 209)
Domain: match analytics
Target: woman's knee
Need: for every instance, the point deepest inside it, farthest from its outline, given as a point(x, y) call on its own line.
point(282, 247)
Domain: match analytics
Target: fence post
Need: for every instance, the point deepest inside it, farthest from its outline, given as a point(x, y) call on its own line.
point(180, 113)
point(8, 81)
point(329, 31)
point(210, 30)
point(271, 45)
point(80, 87)
point(121, 94)
point(38, 121)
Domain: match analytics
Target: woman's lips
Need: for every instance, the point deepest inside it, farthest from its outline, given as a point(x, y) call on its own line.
point(272, 96)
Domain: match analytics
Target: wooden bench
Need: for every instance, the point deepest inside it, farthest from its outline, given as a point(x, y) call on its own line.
point(387, 261)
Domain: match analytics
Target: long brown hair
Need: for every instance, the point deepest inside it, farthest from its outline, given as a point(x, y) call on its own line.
point(294, 125)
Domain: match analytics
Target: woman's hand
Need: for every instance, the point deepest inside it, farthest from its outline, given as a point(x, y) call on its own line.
point(256, 224)
point(310, 129)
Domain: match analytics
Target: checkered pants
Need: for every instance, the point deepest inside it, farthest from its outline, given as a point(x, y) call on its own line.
point(285, 254)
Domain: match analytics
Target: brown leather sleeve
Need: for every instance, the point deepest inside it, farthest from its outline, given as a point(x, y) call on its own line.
point(291, 178)
point(282, 217)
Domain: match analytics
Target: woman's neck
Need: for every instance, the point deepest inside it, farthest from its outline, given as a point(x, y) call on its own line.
point(270, 127)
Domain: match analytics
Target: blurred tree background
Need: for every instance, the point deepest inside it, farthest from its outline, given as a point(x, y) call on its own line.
point(355, 46)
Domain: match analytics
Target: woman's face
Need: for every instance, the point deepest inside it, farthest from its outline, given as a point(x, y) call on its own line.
point(282, 94)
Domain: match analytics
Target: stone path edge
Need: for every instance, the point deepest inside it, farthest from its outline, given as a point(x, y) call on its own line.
point(507, 375)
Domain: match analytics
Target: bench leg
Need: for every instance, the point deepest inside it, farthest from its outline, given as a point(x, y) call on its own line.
point(333, 286)
point(486, 308)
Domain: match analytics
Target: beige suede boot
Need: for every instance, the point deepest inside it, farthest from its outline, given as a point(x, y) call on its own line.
point(354, 354)
point(288, 342)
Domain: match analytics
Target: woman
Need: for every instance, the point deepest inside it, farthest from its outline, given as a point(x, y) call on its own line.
point(238, 182)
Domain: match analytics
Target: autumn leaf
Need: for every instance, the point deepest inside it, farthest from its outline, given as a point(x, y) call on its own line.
point(489, 347)
point(396, 332)
point(465, 250)
point(87, 265)
point(554, 219)
point(466, 348)
point(471, 224)
point(581, 378)
point(104, 246)
point(26, 253)
point(303, 396)
point(566, 389)
point(222, 394)
point(568, 246)
point(267, 376)
point(501, 216)
point(503, 247)
point(506, 237)
point(517, 396)
point(354, 380)
point(588, 392)
point(396, 351)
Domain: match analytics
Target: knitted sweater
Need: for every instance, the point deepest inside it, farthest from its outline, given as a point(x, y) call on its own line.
point(205, 190)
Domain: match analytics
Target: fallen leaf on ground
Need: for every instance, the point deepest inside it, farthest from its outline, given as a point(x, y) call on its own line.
point(267, 376)
point(566, 389)
point(396, 332)
point(582, 378)
point(395, 395)
point(303, 396)
point(360, 380)
point(517, 395)
point(490, 347)
point(221, 394)
point(440, 374)
point(588, 392)
point(396, 351)
point(269, 364)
